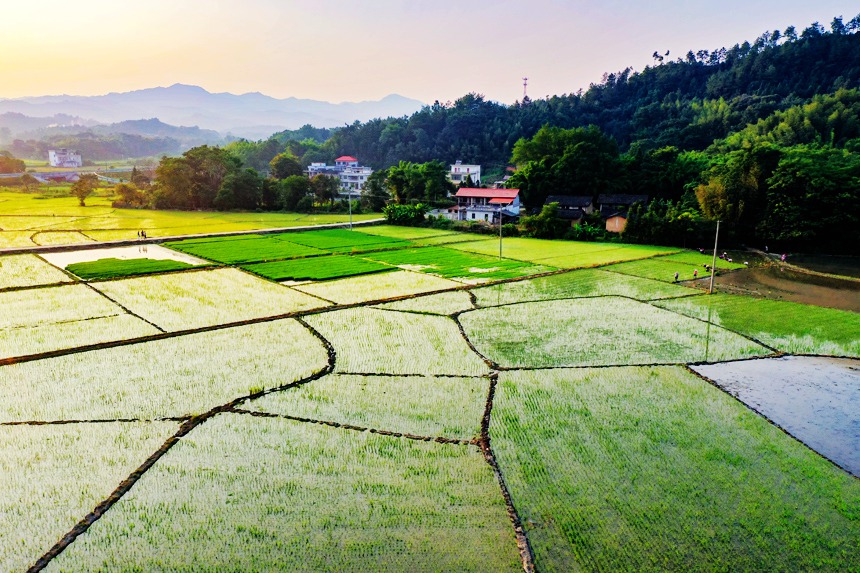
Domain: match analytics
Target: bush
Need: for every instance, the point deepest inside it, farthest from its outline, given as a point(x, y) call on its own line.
point(409, 215)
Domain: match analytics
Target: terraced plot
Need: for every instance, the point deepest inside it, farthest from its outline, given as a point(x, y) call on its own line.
point(163, 378)
point(246, 250)
point(448, 407)
point(601, 331)
point(380, 286)
point(117, 268)
point(279, 495)
point(652, 469)
point(456, 265)
point(786, 326)
point(75, 466)
point(316, 268)
point(196, 299)
point(17, 271)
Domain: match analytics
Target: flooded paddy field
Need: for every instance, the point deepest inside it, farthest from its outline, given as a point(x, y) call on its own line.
point(142, 251)
point(815, 399)
point(781, 283)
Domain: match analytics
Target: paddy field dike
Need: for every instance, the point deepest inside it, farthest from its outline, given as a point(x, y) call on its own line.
point(403, 399)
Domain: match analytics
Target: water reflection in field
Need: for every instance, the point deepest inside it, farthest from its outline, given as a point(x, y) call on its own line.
point(815, 399)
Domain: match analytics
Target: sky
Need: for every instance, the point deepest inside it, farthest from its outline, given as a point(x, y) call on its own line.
point(366, 49)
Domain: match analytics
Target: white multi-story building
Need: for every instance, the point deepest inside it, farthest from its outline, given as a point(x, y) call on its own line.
point(459, 172)
point(353, 177)
point(64, 158)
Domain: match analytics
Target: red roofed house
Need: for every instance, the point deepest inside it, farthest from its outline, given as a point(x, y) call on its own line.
point(346, 161)
point(485, 204)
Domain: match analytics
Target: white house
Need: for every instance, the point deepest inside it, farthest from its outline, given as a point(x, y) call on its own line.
point(484, 205)
point(64, 158)
point(353, 177)
point(459, 172)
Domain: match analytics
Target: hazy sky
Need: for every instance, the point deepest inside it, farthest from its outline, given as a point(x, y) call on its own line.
point(358, 50)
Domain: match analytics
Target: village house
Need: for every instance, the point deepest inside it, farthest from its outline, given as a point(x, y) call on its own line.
point(460, 172)
point(614, 208)
point(352, 176)
point(484, 205)
point(64, 158)
point(572, 207)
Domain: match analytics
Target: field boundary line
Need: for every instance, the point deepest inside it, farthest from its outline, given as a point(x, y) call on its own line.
point(340, 425)
point(523, 545)
point(127, 310)
point(97, 421)
point(36, 287)
point(184, 429)
point(767, 419)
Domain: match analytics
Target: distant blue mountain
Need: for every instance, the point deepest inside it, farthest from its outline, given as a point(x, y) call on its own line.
point(251, 115)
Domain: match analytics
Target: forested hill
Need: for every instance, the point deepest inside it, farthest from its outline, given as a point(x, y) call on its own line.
point(687, 102)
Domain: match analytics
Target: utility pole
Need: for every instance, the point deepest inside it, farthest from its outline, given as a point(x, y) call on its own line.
point(714, 265)
point(500, 232)
point(349, 200)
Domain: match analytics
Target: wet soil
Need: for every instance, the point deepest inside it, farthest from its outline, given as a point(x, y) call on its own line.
point(830, 264)
point(781, 283)
point(815, 399)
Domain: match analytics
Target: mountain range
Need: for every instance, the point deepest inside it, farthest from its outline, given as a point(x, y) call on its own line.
point(250, 115)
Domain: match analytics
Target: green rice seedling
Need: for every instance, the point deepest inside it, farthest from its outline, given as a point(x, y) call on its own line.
point(582, 283)
point(163, 378)
point(598, 331)
point(450, 238)
point(653, 469)
point(264, 248)
point(426, 406)
point(316, 268)
point(698, 259)
point(116, 268)
point(369, 340)
point(341, 240)
point(455, 264)
point(190, 300)
point(252, 494)
point(13, 239)
point(445, 303)
point(28, 270)
point(379, 286)
point(51, 305)
point(563, 254)
point(405, 233)
point(787, 326)
point(66, 335)
point(52, 476)
point(46, 238)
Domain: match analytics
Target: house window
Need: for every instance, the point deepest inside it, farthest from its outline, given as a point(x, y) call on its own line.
point(473, 215)
point(485, 216)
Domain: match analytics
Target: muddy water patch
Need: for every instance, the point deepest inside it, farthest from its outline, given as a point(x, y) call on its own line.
point(143, 251)
point(816, 400)
point(781, 283)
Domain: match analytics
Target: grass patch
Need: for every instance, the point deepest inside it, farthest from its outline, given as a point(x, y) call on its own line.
point(405, 233)
point(114, 268)
point(448, 407)
point(455, 264)
point(788, 326)
point(316, 268)
point(278, 495)
point(601, 331)
point(652, 469)
point(582, 283)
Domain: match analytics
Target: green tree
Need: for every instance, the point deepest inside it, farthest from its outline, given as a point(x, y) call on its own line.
point(129, 196)
point(240, 190)
point(292, 190)
point(325, 188)
point(284, 165)
point(84, 187)
point(375, 194)
point(544, 225)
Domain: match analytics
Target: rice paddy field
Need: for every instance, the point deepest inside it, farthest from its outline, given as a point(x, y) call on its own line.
point(401, 399)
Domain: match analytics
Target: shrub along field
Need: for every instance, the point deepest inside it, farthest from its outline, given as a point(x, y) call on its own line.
point(422, 423)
